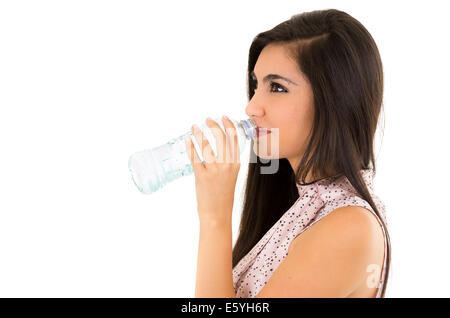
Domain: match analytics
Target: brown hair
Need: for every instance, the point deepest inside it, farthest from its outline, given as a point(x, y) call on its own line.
point(341, 61)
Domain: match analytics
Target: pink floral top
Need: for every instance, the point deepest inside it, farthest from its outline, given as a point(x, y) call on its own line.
point(316, 200)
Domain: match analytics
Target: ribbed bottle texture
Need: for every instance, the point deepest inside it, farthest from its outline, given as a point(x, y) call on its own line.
point(152, 169)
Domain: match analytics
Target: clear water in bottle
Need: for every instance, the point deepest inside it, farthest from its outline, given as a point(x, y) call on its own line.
point(152, 169)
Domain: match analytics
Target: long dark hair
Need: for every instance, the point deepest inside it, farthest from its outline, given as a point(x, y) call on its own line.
point(342, 63)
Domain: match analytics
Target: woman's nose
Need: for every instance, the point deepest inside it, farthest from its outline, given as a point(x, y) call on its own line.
point(254, 110)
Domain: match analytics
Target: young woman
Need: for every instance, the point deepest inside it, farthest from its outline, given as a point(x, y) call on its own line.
point(314, 227)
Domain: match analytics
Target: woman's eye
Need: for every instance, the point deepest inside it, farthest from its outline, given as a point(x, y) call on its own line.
point(277, 86)
point(273, 85)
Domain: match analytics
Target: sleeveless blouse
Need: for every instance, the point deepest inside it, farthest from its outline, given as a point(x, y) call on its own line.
point(316, 200)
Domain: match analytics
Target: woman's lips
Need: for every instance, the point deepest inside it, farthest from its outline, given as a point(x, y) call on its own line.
point(262, 131)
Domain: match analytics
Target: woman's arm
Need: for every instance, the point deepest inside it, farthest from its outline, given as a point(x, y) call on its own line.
point(331, 258)
point(214, 265)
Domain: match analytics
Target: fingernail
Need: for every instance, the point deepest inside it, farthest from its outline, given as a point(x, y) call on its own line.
point(225, 117)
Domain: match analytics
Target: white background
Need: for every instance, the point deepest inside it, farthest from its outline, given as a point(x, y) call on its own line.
point(84, 84)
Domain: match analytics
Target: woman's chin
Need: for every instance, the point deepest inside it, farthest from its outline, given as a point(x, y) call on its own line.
point(264, 152)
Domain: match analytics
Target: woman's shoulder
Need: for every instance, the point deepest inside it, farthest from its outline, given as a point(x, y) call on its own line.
point(341, 193)
point(348, 237)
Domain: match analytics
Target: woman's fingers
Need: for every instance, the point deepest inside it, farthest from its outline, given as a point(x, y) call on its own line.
point(233, 139)
point(196, 162)
point(205, 147)
point(227, 144)
point(220, 137)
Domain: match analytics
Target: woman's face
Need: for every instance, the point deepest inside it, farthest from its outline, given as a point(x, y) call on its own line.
point(286, 107)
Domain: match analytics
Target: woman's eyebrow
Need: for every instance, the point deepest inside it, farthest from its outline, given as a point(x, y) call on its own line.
point(273, 76)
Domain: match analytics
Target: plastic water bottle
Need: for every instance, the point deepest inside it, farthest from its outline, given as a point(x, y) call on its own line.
point(152, 169)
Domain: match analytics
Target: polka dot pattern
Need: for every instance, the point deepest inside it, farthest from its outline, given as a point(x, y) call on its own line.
point(315, 201)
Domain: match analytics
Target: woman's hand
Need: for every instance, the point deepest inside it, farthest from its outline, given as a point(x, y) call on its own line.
point(215, 181)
